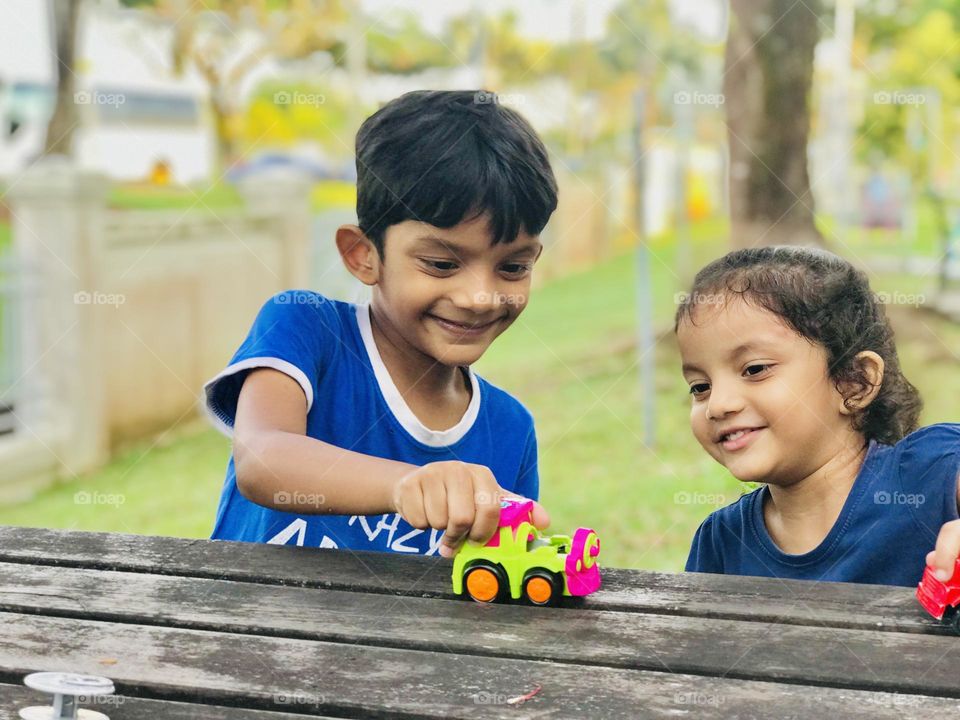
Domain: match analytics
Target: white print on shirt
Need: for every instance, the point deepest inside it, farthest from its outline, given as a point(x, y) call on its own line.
point(297, 531)
point(298, 527)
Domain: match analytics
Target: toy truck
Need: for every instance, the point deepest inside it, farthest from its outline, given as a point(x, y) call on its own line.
point(519, 563)
point(941, 599)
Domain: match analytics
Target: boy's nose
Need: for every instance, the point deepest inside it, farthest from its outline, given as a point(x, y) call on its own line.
point(478, 297)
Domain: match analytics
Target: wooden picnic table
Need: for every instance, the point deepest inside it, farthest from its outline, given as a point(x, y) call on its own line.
point(202, 629)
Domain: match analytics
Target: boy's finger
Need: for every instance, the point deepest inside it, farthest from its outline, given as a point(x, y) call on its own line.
point(449, 545)
point(541, 518)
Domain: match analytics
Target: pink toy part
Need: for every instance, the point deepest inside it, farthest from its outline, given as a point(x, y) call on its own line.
point(513, 511)
point(582, 571)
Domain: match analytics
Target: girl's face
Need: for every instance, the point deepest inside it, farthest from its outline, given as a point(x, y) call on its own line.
point(763, 404)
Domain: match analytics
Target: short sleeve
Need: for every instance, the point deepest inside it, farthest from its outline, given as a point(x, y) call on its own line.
point(704, 550)
point(528, 479)
point(293, 333)
point(929, 468)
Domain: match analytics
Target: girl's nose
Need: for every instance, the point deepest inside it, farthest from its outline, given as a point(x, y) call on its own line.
point(723, 401)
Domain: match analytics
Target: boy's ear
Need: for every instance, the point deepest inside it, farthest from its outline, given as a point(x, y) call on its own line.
point(358, 254)
point(858, 395)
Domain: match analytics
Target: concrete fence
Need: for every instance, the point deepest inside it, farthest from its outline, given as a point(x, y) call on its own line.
point(122, 315)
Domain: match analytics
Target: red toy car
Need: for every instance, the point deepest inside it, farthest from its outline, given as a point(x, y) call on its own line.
point(941, 599)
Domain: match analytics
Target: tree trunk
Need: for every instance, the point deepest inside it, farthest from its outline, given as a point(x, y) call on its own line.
point(767, 80)
point(64, 119)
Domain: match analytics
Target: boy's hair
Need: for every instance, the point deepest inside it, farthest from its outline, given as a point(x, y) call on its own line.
point(442, 157)
point(828, 301)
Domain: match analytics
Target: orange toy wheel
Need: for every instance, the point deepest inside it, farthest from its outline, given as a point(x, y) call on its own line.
point(484, 582)
point(541, 587)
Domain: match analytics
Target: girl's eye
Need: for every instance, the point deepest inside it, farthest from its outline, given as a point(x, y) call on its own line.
point(755, 370)
point(699, 388)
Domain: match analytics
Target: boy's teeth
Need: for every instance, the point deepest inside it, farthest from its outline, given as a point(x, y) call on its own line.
point(736, 435)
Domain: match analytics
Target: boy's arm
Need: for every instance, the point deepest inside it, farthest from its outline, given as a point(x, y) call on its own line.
point(274, 457)
point(275, 460)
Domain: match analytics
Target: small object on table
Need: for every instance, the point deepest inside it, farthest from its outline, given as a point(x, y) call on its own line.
point(941, 598)
point(519, 563)
point(66, 688)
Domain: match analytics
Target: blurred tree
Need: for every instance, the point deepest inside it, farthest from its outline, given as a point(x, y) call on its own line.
point(766, 84)
point(60, 129)
point(914, 69)
point(227, 39)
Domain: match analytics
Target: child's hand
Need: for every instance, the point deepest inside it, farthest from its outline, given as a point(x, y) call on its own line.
point(460, 498)
point(943, 559)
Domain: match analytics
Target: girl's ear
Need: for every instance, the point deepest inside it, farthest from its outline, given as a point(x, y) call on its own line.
point(359, 254)
point(860, 393)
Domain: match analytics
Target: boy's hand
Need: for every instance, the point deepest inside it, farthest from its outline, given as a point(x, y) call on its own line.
point(943, 559)
point(460, 498)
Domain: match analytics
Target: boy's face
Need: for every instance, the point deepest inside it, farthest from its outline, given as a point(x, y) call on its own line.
point(747, 370)
point(448, 292)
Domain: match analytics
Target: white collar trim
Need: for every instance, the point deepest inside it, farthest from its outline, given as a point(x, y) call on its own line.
point(398, 406)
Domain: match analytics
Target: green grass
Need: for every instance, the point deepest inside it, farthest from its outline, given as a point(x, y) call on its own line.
point(571, 359)
point(143, 196)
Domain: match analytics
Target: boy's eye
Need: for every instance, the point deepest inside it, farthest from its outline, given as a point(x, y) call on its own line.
point(699, 388)
point(754, 370)
point(516, 268)
point(440, 265)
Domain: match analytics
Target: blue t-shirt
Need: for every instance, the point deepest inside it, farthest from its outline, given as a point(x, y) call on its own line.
point(327, 346)
point(902, 496)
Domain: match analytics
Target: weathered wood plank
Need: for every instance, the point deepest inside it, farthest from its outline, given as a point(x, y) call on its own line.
point(691, 594)
point(864, 659)
point(123, 707)
point(336, 679)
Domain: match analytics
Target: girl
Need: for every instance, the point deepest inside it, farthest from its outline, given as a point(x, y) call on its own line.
point(796, 384)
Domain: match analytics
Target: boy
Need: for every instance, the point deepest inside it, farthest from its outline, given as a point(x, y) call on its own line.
point(341, 412)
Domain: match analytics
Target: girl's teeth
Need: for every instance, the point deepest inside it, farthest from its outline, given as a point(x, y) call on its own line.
point(738, 434)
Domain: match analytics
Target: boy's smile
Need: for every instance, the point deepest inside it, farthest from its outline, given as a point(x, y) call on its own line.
point(763, 403)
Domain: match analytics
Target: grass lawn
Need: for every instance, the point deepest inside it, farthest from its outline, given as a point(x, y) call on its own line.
point(143, 196)
point(571, 359)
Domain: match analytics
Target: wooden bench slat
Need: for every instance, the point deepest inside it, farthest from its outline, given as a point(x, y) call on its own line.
point(336, 679)
point(799, 602)
point(719, 647)
point(122, 707)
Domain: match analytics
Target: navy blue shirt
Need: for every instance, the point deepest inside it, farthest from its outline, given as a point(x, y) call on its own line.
point(902, 496)
point(328, 348)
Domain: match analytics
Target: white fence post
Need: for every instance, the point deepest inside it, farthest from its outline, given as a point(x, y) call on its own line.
point(285, 195)
point(57, 214)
